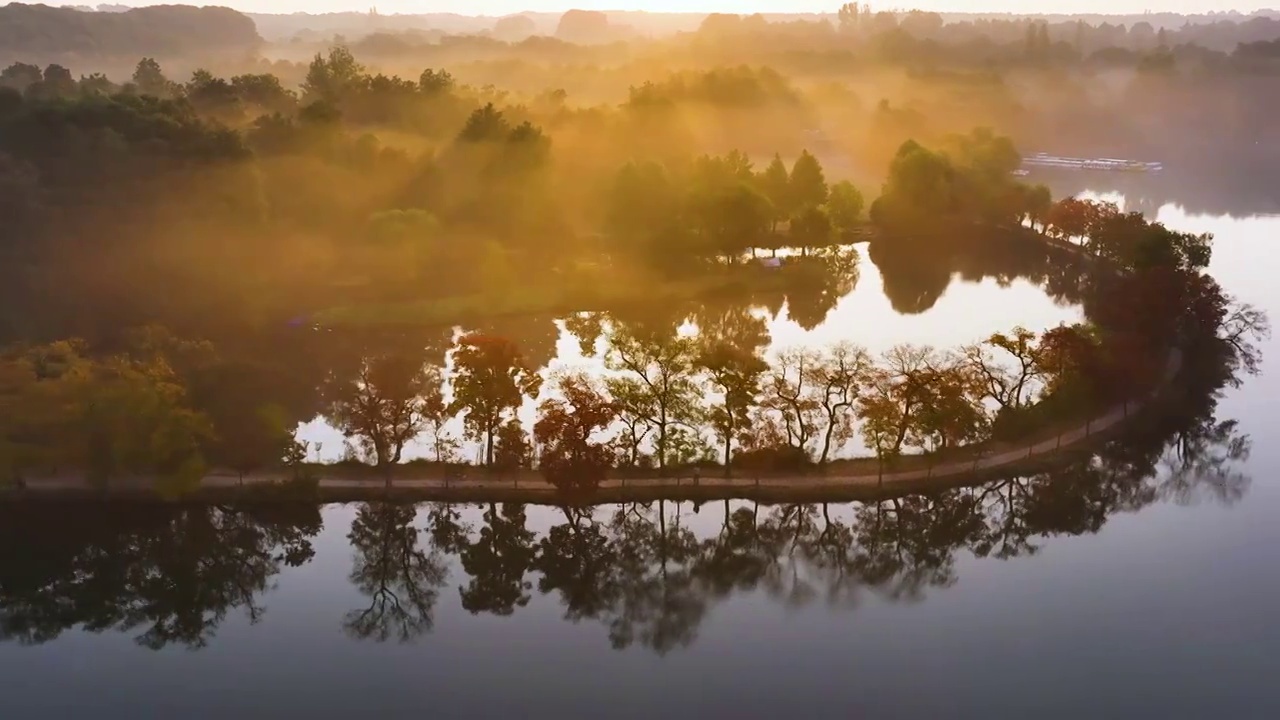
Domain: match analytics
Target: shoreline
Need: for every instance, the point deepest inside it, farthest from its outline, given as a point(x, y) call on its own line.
point(529, 487)
point(985, 459)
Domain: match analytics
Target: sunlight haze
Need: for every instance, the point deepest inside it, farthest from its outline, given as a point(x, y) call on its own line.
point(685, 358)
point(503, 7)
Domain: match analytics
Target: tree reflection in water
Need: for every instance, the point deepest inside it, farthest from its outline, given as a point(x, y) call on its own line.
point(401, 579)
point(172, 574)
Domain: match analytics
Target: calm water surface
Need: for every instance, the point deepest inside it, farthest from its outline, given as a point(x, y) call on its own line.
point(947, 314)
point(1165, 609)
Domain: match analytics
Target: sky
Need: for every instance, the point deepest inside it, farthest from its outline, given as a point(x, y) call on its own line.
point(502, 7)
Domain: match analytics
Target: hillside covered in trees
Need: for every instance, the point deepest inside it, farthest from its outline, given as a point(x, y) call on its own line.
point(100, 41)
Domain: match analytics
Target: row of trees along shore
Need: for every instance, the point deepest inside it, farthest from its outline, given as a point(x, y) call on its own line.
point(606, 565)
point(640, 571)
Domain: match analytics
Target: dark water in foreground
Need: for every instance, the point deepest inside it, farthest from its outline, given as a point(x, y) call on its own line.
point(1074, 595)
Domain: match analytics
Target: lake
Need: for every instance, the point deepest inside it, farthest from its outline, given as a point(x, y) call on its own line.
point(943, 302)
point(1077, 594)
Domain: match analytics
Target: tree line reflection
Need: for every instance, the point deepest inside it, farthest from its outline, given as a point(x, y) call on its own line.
point(171, 575)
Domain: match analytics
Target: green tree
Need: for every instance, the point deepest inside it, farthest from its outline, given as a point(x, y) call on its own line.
point(214, 97)
point(642, 207)
point(41, 390)
point(952, 413)
point(57, 82)
point(150, 80)
point(512, 450)
point(436, 415)
point(775, 183)
point(97, 85)
point(894, 394)
point(1039, 204)
point(20, 76)
point(138, 422)
point(490, 381)
point(732, 219)
point(734, 373)
point(811, 229)
point(433, 83)
point(401, 245)
point(849, 17)
point(919, 188)
point(259, 440)
point(334, 78)
point(382, 404)
point(836, 380)
point(844, 206)
point(808, 185)
point(1009, 387)
point(658, 386)
point(487, 124)
point(264, 94)
point(789, 402)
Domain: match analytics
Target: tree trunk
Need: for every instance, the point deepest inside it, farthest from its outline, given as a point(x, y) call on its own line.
point(902, 431)
point(728, 442)
point(662, 442)
point(826, 441)
point(488, 453)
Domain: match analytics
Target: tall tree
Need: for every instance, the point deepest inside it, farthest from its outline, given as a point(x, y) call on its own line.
point(150, 80)
point(569, 457)
point(893, 396)
point(837, 379)
point(775, 183)
point(789, 399)
point(333, 78)
point(658, 386)
point(735, 374)
point(844, 206)
point(382, 404)
point(808, 184)
point(1008, 387)
point(436, 415)
point(490, 382)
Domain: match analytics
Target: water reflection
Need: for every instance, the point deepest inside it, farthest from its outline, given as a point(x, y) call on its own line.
point(400, 578)
point(808, 301)
point(167, 575)
point(647, 574)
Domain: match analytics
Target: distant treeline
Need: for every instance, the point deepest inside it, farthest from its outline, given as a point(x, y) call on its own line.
point(176, 32)
point(50, 33)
